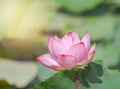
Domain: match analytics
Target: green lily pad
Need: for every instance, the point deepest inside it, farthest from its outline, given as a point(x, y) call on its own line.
point(17, 73)
point(109, 54)
point(114, 2)
point(77, 6)
point(117, 35)
point(94, 76)
point(95, 25)
point(110, 80)
point(100, 28)
point(44, 72)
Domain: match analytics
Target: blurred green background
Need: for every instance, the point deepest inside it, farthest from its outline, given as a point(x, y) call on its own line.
point(25, 26)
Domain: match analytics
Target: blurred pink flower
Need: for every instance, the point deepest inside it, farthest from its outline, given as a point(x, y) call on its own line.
point(68, 52)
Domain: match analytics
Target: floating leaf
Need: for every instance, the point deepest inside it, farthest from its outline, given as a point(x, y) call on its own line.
point(94, 75)
point(114, 2)
point(44, 72)
point(16, 73)
point(117, 35)
point(77, 6)
point(65, 79)
point(109, 54)
point(97, 27)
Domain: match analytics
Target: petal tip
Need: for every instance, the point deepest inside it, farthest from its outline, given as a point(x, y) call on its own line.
point(87, 34)
point(94, 47)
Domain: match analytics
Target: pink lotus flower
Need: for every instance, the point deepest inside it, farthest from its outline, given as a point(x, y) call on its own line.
point(68, 52)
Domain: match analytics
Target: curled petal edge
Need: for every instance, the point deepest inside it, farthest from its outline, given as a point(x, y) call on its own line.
point(86, 40)
point(86, 60)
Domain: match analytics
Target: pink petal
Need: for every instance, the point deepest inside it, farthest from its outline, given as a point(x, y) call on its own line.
point(56, 47)
point(75, 37)
point(47, 61)
point(67, 61)
point(50, 39)
point(90, 56)
point(86, 40)
point(78, 51)
point(57, 38)
point(93, 48)
point(69, 39)
point(87, 60)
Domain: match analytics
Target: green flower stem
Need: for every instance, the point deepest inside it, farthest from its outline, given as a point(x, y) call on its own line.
point(77, 81)
point(77, 78)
